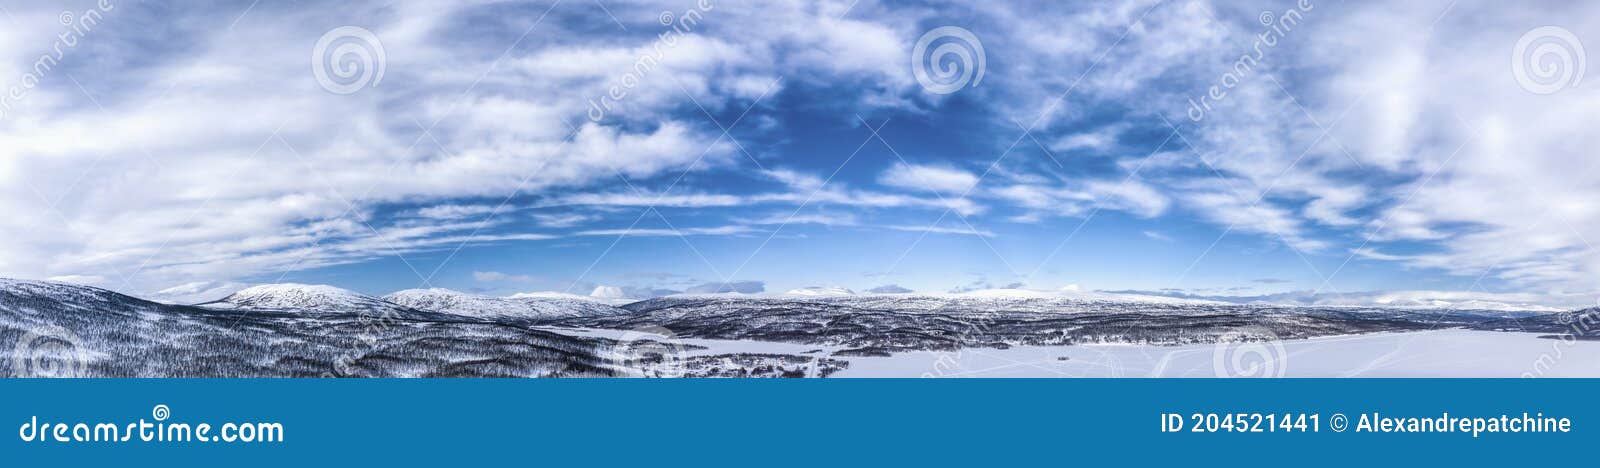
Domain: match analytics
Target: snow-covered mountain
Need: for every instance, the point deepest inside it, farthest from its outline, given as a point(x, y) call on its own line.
point(610, 294)
point(1397, 300)
point(556, 295)
point(308, 298)
point(1067, 295)
point(989, 300)
point(1437, 300)
point(63, 330)
point(880, 324)
point(78, 331)
point(26, 299)
point(523, 306)
point(819, 291)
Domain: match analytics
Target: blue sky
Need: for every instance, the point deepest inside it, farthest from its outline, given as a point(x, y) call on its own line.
point(1360, 147)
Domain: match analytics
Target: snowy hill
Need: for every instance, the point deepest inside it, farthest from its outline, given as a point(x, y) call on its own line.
point(62, 330)
point(986, 300)
point(525, 306)
point(76, 331)
point(610, 295)
point(292, 330)
point(26, 299)
point(556, 295)
point(1456, 301)
point(1436, 300)
point(820, 292)
point(308, 298)
point(880, 324)
point(1067, 296)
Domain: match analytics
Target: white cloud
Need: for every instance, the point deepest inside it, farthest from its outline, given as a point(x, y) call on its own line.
point(680, 232)
point(963, 230)
point(174, 182)
point(798, 181)
point(1097, 140)
point(824, 219)
point(562, 220)
point(499, 277)
point(946, 181)
point(1255, 216)
point(223, 159)
point(1489, 174)
point(455, 211)
point(647, 199)
point(1130, 195)
point(197, 292)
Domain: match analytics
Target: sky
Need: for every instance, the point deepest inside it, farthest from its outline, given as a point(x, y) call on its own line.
point(1241, 148)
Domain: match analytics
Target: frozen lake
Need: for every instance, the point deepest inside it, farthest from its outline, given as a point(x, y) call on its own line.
point(1438, 353)
point(1441, 353)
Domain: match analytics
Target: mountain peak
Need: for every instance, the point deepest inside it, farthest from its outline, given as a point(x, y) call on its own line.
point(821, 291)
point(608, 292)
point(295, 296)
point(61, 291)
point(563, 296)
point(528, 306)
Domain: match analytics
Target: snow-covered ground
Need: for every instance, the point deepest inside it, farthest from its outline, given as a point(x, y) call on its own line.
point(711, 347)
point(980, 296)
point(309, 330)
point(1439, 353)
point(291, 296)
point(528, 306)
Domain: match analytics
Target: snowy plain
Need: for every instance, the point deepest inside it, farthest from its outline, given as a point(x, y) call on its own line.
point(312, 330)
point(1440, 353)
point(1436, 353)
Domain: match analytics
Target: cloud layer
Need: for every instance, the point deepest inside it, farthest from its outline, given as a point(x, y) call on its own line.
point(182, 150)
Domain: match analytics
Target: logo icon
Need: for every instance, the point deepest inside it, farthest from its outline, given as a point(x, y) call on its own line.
point(348, 59)
point(956, 61)
point(649, 352)
point(1548, 59)
point(1249, 353)
point(48, 352)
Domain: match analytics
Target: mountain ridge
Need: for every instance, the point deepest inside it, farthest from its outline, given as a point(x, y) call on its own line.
point(517, 306)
